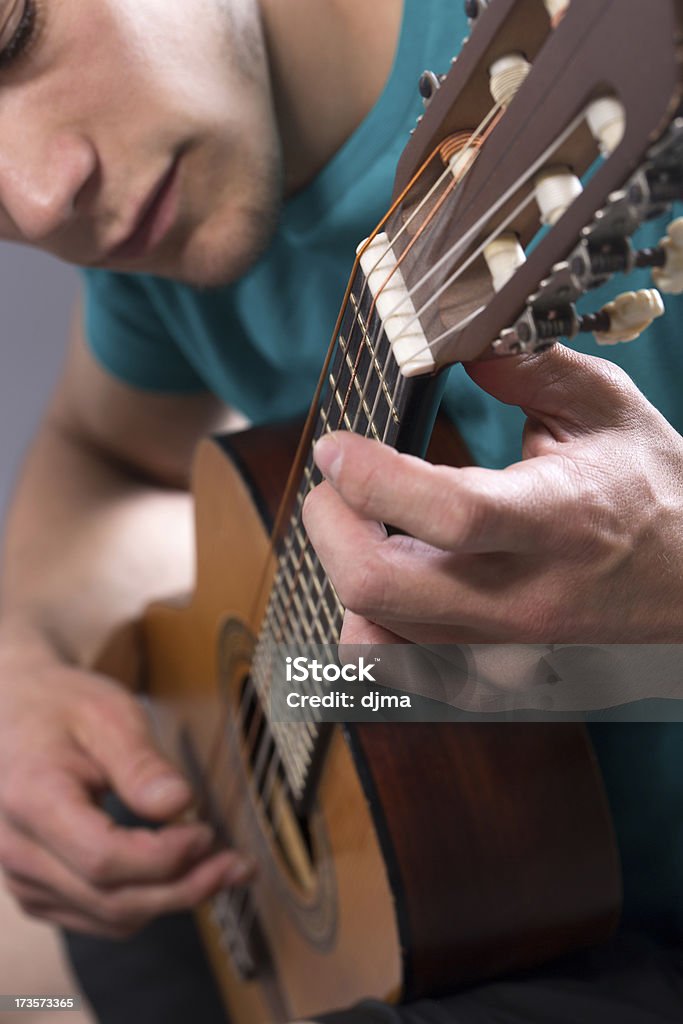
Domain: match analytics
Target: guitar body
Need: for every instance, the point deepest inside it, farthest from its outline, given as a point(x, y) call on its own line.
point(433, 856)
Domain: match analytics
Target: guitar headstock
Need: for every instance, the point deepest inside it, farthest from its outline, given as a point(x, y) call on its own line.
point(498, 226)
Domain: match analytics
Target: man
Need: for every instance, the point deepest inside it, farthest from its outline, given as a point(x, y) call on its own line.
point(158, 138)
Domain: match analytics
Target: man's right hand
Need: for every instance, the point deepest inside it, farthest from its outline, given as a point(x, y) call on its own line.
point(66, 738)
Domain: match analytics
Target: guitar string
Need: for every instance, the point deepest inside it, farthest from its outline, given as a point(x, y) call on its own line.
point(438, 150)
point(240, 715)
point(371, 419)
point(456, 250)
point(270, 781)
point(272, 777)
point(215, 749)
point(272, 773)
point(453, 253)
point(446, 174)
point(484, 124)
point(247, 910)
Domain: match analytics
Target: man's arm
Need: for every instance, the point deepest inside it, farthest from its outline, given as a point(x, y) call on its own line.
point(101, 524)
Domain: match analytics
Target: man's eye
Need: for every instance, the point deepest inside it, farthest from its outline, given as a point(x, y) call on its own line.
point(22, 36)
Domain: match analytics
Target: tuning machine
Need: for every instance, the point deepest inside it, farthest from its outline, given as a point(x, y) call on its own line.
point(428, 86)
point(621, 320)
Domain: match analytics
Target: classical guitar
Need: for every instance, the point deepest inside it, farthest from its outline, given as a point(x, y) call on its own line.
point(398, 860)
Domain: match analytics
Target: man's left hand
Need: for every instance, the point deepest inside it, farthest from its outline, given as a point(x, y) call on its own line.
point(580, 541)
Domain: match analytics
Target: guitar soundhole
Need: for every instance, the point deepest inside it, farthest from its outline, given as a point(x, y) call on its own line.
point(287, 824)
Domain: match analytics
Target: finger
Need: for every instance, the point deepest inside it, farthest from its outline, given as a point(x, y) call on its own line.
point(224, 870)
point(359, 631)
point(565, 389)
point(59, 814)
point(391, 579)
point(466, 510)
point(37, 902)
point(72, 921)
point(115, 732)
point(44, 877)
point(431, 634)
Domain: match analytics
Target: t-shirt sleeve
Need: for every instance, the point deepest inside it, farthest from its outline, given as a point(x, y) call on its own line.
point(128, 337)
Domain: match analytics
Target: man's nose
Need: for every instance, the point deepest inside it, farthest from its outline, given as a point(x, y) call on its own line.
point(41, 195)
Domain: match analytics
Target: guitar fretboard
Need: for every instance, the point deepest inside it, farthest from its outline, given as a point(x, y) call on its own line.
point(365, 393)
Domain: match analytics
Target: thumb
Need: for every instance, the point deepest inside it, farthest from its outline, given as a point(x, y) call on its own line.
point(121, 743)
point(579, 391)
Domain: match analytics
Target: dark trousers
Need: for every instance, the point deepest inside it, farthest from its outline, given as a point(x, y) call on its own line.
point(161, 975)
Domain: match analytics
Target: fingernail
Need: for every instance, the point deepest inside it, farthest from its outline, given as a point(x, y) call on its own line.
point(328, 456)
point(240, 870)
point(166, 787)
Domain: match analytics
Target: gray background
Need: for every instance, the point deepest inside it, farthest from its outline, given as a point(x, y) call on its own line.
point(37, 295)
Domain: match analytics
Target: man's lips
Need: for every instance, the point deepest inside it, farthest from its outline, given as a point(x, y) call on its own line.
point(153, 221)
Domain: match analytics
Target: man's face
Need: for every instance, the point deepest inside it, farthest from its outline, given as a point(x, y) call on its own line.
point(138, 135)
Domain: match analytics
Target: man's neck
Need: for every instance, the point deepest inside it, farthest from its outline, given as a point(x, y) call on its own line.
point(329, 63)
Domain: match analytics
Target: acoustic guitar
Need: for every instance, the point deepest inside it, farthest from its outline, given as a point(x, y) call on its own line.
point(404, 859)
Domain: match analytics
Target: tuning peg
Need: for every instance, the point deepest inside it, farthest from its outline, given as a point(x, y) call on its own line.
point(429, 85)
point(507, 76)
point(669, 277)
point(606, 119)
point(556, 189)
point(473, 8)
point(503, 257)
point(556, 9)
point(626, 317)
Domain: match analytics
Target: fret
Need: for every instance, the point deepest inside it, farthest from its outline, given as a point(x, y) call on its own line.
point(313, 569)
point(291, 732)
point(324, 416)
point(380, 370)
point(284, 624)
point(344, 380)
point(298, 739)
point(297, 533)
point(356, 372)
point(353, 364)
point(326, 635)
point(365, 393)
point(281, 610)
point(289, 737)
point(278, 750)
point(342, 410)
point(310, 474)
point(371, 386)
point(294, 583)
point(325, 427)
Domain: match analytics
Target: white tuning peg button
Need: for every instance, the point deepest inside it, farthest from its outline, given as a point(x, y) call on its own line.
point(556, 8)
point(503, 256)
point(507, 76)
point(556, 189)
point(629, 315)
point(670, 277)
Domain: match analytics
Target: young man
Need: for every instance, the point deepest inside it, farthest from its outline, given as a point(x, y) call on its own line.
point(158, 139)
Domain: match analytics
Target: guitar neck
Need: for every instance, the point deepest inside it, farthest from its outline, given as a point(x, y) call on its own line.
point(364, 392)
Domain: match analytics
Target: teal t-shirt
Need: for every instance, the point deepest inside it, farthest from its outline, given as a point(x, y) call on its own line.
point(259, 345)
